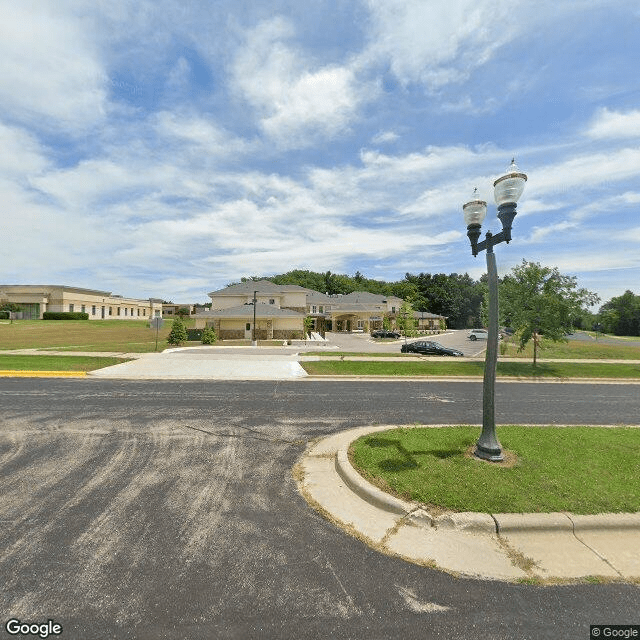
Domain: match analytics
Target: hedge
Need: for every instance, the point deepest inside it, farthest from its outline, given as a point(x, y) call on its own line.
point(4, 315)
point(64, 315)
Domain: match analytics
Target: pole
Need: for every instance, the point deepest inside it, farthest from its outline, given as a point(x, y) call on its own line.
point(488, 447)
point(253, 341)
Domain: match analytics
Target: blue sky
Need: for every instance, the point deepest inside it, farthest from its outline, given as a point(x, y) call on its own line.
point(168, 148)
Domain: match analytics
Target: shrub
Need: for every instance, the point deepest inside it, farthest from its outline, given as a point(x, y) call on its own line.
point(209, 336)
point(64, 315)
point(178, 333)
point(4, 315)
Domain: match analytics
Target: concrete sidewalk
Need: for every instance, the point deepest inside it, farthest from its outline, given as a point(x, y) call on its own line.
point(198, 364)
point(515, 547)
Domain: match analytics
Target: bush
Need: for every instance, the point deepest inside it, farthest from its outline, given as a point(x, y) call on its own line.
point(209, 336)
point(178, 333)
point(64, 315)
point(4, 315)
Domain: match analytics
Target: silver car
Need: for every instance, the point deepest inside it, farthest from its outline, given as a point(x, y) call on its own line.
point(478, 334)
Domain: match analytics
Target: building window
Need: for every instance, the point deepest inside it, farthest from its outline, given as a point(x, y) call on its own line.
point(70, 308)
point(138, 312)
point(93, 310)
point(118, 312)
point(321, 311)
point(110, 311)
point(272, 301)
point(83, 309)
point(126, 311)
point(132, 312)
point(314, 309)
point(248, 326)
point(393, 309)
point(144, 312)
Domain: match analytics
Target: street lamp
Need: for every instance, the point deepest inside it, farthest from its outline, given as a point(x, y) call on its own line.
point(507, 190)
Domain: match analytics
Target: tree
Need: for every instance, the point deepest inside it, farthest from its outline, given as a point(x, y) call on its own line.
point(178, 333)
point(621, 315)
point(308, 325)
point(10, 308)
point(183, 312)
point(208, 336)
point(537, 300)
point(406, 321)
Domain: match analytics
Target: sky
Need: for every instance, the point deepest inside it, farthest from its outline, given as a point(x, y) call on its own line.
point(167, 148)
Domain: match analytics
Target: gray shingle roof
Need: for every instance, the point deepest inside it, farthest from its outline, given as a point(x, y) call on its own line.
point(246, 311)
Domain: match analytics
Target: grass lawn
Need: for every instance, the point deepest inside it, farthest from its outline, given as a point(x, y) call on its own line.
point(573, 349)
point(133, 336)
point(584, 470)
point(449, 368)
point(56, 363)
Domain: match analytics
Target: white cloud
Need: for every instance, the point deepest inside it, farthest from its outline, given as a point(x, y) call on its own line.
point(438, 43)
point(50, 68)
point(615, 124)
point(384, 137)
point(295, 98)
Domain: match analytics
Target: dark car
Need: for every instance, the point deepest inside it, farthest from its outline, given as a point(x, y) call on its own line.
point(429, 348)
point(384, 333)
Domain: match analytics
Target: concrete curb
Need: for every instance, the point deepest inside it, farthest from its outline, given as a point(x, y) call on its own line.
point(43, 374)
point(497, 523)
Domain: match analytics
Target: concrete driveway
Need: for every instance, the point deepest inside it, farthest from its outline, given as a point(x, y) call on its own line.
point(208, 363)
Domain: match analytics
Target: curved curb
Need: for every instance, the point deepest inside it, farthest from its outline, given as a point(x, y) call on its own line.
point(497, 523)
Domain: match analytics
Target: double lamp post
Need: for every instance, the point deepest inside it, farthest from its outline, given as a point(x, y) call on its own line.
point(507, 189)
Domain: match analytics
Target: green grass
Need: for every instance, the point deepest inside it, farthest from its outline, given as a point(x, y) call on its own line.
point(573, 349)
point(583, 470)
point(121, 336)
point(449, 368)
point(56, 363)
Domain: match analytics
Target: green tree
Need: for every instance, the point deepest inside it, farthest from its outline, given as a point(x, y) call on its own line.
point(183, 312)
point(178, 333)
point(208, 336)
point(406, 320)
point(540, 301)
point(10, 308)
point(308, 325)
point(621, 315)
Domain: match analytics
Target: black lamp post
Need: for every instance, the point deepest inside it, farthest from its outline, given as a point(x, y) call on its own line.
point(507, 190)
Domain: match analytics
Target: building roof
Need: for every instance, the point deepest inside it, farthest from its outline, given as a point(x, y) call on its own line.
point(363, 297)
point(48, 287)
point(246, 311)
point(261, 286)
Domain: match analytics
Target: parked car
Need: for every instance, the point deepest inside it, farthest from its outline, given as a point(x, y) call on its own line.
point(429, 348)
point(384, 333)
point(478, 334)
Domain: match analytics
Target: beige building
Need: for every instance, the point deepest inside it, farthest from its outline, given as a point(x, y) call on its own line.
point(356, 311)
point(280, 311)
point(34, 300)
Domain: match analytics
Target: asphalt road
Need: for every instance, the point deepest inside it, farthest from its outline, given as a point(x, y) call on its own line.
point(169, 510)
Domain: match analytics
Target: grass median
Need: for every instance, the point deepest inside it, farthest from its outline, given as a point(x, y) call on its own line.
point(436, 368)
point(584, 470)
point(56, 363)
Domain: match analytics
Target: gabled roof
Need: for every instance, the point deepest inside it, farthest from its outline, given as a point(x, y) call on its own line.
point(246, 311)
point(261, 286)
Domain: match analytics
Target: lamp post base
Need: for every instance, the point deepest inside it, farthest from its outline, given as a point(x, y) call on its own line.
point(492, 455)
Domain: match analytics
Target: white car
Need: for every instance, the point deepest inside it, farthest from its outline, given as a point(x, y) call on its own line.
point(478, 334)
